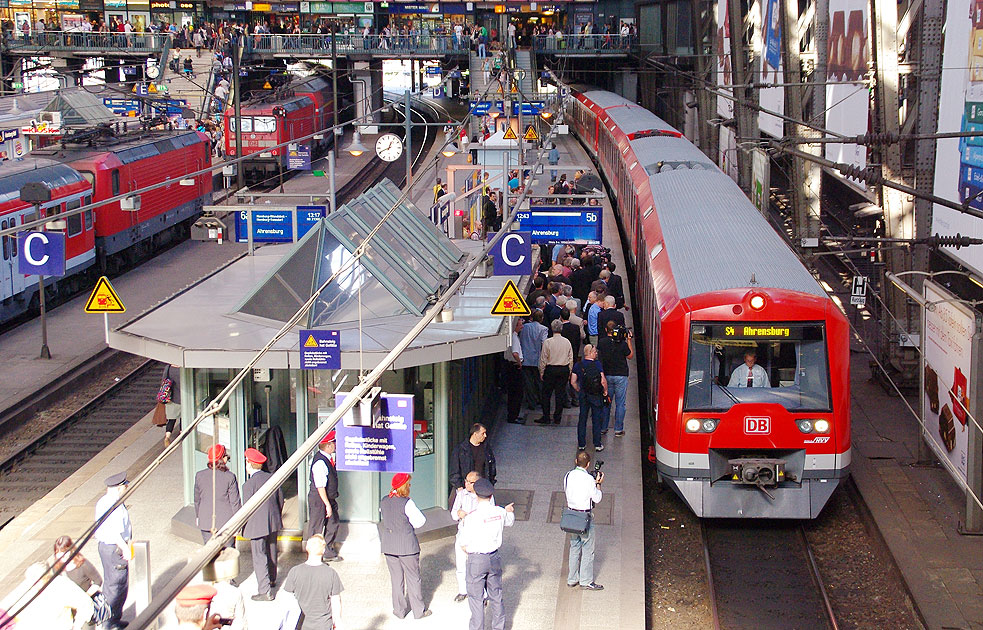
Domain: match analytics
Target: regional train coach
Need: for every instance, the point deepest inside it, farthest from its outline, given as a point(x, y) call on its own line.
point(747, 355)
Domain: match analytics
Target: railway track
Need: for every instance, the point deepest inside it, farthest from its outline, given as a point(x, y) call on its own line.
point(763, 576)
point(48, 459)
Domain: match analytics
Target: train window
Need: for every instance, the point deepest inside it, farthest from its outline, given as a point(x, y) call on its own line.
point(13, 239)
point(788, 365)
point(89, 177)
point(115, 178)
point(88, 218)
point(6, 247)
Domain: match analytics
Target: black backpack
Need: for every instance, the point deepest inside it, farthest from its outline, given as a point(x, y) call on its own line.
point(592, 378)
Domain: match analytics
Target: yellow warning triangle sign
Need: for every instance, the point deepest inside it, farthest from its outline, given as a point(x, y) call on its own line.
point(509, 302)
point(104, 299)
point(514, 89)
point(311, 342)
point(152, 88)
point(500, 90)
point(530, 133)
point(267, 86)
point(510, 134)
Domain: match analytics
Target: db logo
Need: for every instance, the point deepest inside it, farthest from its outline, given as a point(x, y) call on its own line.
point(591, 217)
point(760, 424)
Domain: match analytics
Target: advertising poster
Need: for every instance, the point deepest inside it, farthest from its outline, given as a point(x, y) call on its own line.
point(847, 104)
point(725, 106)
point(387, 445)
point(959, 161)
point(947, 374)
point(772, 72)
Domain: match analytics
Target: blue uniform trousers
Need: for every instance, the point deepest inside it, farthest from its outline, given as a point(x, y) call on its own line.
point(484, 574)
point(115, 579)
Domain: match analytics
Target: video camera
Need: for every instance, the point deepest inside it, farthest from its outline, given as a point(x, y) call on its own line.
point(597, 469)
point(620, 333)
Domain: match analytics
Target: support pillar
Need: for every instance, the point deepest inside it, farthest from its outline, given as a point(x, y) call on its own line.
point(367, 86)
point(745, 117)
point(705, 31)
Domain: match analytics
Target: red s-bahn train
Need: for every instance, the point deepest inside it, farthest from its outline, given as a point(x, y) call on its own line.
point(307, 108)
point(748, 358)
point(108, 237)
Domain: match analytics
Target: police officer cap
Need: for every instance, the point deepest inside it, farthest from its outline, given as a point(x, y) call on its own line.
point(116, 480)
point(254, 456)
point(196, 595)
point(484, 488)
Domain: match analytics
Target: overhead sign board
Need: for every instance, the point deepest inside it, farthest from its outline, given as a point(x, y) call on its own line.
point(510, 302)
point(274, 224)
point(562, 224)
point(529, 108)
point(123, 106)
point(513, 254)
point(387, 445)
point(104, 299)
point(299, 157)
point(320, 350)
point(41, 253)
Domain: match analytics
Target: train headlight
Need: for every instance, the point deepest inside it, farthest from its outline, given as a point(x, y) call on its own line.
point(709, 425)
point(821, 426)
point(757, 302)
point(804, 425)
point(701, 425)
point(693, 425)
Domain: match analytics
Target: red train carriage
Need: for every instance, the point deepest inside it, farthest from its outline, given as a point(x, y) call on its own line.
point(69, 190)
point(719, 290)
point(266, 125)
point(126, 235)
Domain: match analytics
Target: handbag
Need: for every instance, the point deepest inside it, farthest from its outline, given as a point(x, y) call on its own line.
point(575, 521)
point(164, 393)
point(160, 414)
point(101, 611)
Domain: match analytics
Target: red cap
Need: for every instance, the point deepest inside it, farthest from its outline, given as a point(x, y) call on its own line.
point(254, 456)
point(329, 437)
point(196, 594)
point(216, 453)
point(400, 479)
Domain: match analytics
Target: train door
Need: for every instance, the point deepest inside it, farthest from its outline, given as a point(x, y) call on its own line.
point(7, 261)
point(18, 281)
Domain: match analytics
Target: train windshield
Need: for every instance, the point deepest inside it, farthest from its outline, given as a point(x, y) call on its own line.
point(255, 124)
point(734, 362)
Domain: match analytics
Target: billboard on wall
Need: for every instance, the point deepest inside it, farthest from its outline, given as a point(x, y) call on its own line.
point(772, 69)
point(847, 104)
point(947, 375)
point(959, 161)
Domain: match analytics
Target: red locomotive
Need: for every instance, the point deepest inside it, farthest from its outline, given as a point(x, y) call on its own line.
point(748, 357)
point(300, 110)
point(109, 235)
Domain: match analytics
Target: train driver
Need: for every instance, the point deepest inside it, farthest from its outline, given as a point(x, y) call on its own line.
point(749, 374)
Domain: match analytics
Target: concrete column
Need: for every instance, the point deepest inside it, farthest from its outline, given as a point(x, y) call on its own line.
point(441, 431)
point(303, 479)
point(367, 84)
point(188, 446)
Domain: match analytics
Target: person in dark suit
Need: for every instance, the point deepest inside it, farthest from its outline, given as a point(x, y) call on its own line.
point(580, 280)
point(216, 493)
point(615, 287)
point(400, 517)
point(263, 526)
point(322, 498)
point(474, 453)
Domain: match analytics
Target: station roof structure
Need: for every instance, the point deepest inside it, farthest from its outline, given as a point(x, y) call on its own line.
point(79, 108)
point(407, 263)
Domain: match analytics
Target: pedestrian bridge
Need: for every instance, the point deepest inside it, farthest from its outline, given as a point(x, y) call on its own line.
point(50, 43)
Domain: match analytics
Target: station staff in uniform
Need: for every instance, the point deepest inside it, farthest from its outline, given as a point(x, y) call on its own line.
point(749, 374)
point(263, 526)
point(216, 491)
point(322, 498)
point(400, 517)
point(114, 537)
point(481, 536)
point(191, 607)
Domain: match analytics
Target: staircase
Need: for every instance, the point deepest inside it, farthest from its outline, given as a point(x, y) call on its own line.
point(180, 86)
point(525, 60)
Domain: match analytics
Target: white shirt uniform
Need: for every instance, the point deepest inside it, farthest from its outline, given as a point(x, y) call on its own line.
point(515, 347)
point(118, 523)
point(320, 473)
point(482, 529)
point(413, 513)
point(467, 501)
point(581, 489)
point(759, 377)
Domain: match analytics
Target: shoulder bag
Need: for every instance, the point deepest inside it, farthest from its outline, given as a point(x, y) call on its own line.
point(574, 521)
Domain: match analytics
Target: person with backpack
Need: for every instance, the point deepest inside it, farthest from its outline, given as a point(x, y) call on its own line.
point(589, 382)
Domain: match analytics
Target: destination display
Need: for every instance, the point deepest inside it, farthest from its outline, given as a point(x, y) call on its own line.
point(562, 224)
point(274, 225)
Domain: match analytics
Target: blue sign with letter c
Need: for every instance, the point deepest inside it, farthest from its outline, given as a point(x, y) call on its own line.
point(513, 254)
point(41, 253)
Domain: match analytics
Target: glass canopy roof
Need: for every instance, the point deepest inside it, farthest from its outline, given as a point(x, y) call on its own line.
point(405, 263)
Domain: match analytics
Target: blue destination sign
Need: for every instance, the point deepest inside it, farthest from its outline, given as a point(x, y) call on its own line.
point(320, 350)
point(563, 224)
point(275, 226)
point(170, 106)
point(122, 106)
point(529, 108)
point(387, 445)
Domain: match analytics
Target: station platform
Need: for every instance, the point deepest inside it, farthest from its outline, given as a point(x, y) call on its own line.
point(532, 460)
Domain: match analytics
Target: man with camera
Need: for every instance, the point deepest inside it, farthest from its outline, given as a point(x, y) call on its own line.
point(614, 350)
point(583, 490)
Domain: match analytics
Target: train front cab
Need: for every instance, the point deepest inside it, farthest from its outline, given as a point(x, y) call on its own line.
point(776, 451)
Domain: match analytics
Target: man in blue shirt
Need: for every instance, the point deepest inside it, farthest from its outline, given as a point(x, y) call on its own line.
point(531, 338)
point(589, 381)
point(595, 309)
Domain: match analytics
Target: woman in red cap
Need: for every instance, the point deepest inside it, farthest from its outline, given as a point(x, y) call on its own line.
point(400, 517)
point(216, 494)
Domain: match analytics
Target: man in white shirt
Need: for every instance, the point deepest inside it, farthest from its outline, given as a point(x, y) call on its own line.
point(61, 604)
point(465, 502)
point(114, 537)
point(511, 34)
point(481, 536)
point(749, 374)
point(582, 491)
point(513, 375)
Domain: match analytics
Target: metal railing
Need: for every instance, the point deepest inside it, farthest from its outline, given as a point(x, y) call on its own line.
point(348, 43)
point(118, 43)
point(599, 43)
